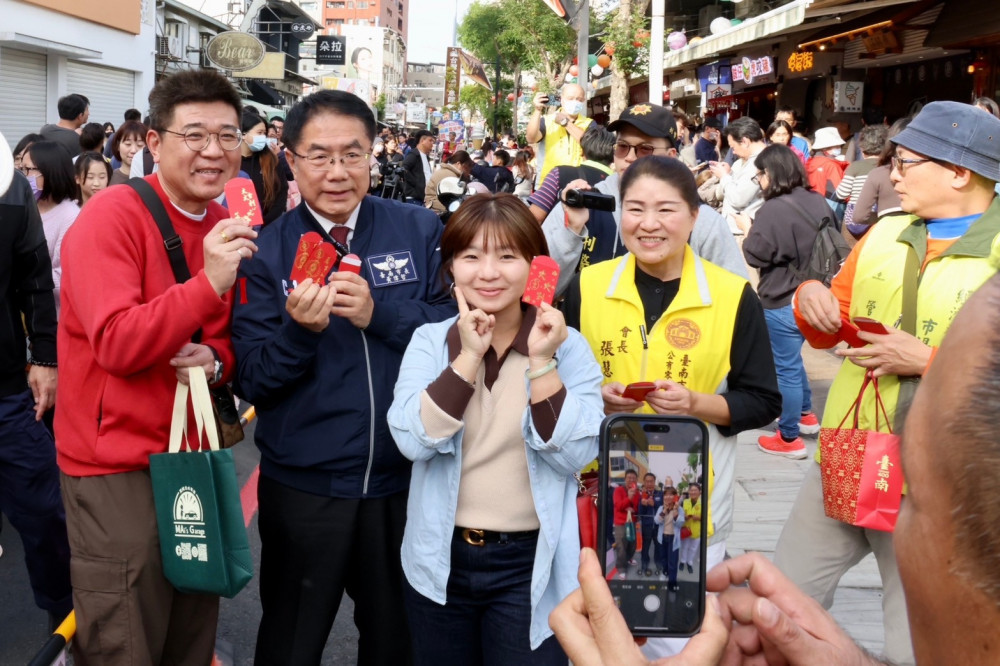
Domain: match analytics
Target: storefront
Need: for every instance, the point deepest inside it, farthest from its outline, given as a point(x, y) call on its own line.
point(754, 87)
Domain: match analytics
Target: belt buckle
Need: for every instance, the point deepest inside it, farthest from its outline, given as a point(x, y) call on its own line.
point(474, 537)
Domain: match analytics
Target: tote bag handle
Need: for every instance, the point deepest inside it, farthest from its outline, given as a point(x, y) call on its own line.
point(204, 417)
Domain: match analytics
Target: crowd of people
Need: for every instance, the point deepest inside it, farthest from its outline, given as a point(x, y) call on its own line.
point(420, 428)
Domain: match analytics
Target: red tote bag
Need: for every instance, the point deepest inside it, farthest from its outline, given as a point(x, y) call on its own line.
point(861, 469)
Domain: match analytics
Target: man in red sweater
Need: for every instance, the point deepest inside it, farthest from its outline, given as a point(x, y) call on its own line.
point(626, 500)
point(125, 334)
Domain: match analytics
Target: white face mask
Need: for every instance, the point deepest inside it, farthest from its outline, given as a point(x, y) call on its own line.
point(572, 107)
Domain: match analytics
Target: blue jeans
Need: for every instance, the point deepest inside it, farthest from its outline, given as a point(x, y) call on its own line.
point(786, 346)
point(668, 558)
point(486, 620)
point(649, 542)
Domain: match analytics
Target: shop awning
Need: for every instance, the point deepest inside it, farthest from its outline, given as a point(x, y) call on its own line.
point(752, 29)
point(965, 23)
point(264, 93)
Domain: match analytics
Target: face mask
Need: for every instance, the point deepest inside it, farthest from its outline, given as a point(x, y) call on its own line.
point(259, 143)
point(37, 191)
point(572, 107)
point(834, 152)
point(272, 141)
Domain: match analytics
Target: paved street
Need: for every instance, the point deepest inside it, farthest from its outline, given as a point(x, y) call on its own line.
point(767, 486)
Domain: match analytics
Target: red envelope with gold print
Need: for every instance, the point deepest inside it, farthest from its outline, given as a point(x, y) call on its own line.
point(321, 261)
point(309, 242)
point(241, 197)
point(542, 280)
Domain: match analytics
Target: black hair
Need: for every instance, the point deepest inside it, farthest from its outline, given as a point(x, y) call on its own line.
point(647, 475)
point(189, 86)
point(71, 106)
point(778, 124)
point(460, 157)
point(92, 137)
point(631, 471)
point(337, 102)
point(55, 164)
point(787, 109)
point(280, 119)
point(744, 128)
point(598, 144)
point(503, 156)
point(355, 52)
point(133, 114)
point(26, 141)
point(420, 135)
point(108, 126)
point(250, 120)
point(873, 115)
point(82, 166)
point(666, 169)
point(694, 484)
point(890, 148)
point(784, 170)
point(129, 128)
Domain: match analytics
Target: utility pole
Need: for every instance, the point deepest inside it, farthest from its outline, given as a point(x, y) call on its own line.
point(656, 54)
point(583, 45)
point(496, 98)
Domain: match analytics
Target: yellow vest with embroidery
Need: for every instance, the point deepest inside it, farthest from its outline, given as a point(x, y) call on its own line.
point(690, 342)
point(692, 523)
point(560, 147)
point(944, 286)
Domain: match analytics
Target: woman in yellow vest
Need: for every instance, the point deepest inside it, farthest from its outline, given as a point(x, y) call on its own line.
point(662, 314)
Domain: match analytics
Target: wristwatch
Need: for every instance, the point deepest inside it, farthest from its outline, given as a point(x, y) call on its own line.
point(217, 368)
point(564, 122)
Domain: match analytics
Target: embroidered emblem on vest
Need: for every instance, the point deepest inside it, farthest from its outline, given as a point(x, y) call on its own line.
point(683, 333)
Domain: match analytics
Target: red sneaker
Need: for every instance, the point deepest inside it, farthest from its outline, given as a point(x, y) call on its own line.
point(808, 424)
point(775, 445)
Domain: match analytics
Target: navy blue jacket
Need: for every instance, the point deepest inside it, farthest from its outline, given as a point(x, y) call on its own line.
point(322, 398)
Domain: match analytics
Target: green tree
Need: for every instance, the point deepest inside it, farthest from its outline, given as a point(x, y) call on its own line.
point(380, 107)
point(480, 100)
point(527, 36)
point(626, 30)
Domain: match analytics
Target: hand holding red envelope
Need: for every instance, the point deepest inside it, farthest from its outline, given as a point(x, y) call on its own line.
point(351, 263)
point(542, 280)
point(314, 259)
point(241, 197)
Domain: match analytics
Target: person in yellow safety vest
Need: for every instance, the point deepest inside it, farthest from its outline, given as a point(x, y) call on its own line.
point(692, 521)
point(662, 314)
point(946, 166)
point(558, 134)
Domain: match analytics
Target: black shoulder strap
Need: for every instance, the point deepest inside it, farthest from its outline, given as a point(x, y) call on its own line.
point(802, 211)
point(171, 241)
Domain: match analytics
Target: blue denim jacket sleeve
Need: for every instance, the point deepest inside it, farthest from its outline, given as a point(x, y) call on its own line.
point(425, 358)
point(574, 440)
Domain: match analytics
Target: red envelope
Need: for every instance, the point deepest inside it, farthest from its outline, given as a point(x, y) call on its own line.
point(542, 280)
point(351, 263)
point(309, 242)
point(241, 197)
point(320, 262)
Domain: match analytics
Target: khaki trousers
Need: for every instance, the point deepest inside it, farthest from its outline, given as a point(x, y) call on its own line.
point(126, 611)
point(816, 551)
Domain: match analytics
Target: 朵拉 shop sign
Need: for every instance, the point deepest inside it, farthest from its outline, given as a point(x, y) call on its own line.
point(235, 51)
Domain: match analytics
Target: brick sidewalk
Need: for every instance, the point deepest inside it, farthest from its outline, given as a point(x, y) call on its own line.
point(766, 487)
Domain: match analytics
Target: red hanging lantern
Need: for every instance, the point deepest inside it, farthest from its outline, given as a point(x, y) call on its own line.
point(510, 97)
point(574, 70)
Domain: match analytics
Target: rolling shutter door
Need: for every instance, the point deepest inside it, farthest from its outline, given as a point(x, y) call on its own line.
point(22, 101)
point(110, 91)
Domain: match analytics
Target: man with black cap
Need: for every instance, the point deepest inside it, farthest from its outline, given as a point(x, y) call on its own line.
point(706, 148)
point(578, 237)
point(946, 166)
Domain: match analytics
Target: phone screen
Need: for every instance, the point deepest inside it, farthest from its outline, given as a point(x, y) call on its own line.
point(659, 594)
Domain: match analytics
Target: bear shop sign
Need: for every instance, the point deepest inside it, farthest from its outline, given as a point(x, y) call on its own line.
point(235, 51)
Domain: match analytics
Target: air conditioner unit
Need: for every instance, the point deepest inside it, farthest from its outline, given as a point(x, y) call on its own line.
point(174, 47)
point(163, 46)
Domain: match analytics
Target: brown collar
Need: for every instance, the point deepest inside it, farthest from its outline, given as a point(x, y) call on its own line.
point(493, 363)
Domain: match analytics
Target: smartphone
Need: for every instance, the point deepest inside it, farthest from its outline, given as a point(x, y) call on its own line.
point(870, 325)
point(638, 390)
point(849, 333)
point(673, 603)
point(698, 167)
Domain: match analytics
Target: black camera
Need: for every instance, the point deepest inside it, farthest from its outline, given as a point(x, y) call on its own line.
point(392, 169)
point(589, 199)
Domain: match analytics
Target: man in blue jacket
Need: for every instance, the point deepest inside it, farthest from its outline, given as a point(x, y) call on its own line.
point(319, 363)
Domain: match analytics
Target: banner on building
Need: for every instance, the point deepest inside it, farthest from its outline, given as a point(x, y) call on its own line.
point(357, 87)
point(749, 71)
point(331, 50)
point(473, 69)
point(848, 96)
point(416, 113)
point(452, 77)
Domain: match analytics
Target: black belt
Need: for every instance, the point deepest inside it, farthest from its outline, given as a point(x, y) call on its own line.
point(475, 537)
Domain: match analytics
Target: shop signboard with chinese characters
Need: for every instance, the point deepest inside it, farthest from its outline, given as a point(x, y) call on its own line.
point(802, 64)
point(753, 71)
point(848, 96)
point(331, 50)
point(452, 77)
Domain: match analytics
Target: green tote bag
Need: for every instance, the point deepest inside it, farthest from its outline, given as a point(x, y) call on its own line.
point(203, 540)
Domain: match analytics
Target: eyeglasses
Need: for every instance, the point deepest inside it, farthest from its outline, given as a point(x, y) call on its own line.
point(902, 163)
point(622, 149)
point(198, 140)
point(26, 170)
point(321, 162)
point(756, 179)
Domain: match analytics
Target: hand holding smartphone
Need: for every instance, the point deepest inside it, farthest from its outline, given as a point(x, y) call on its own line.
point(672, 604)
point(637, 390)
